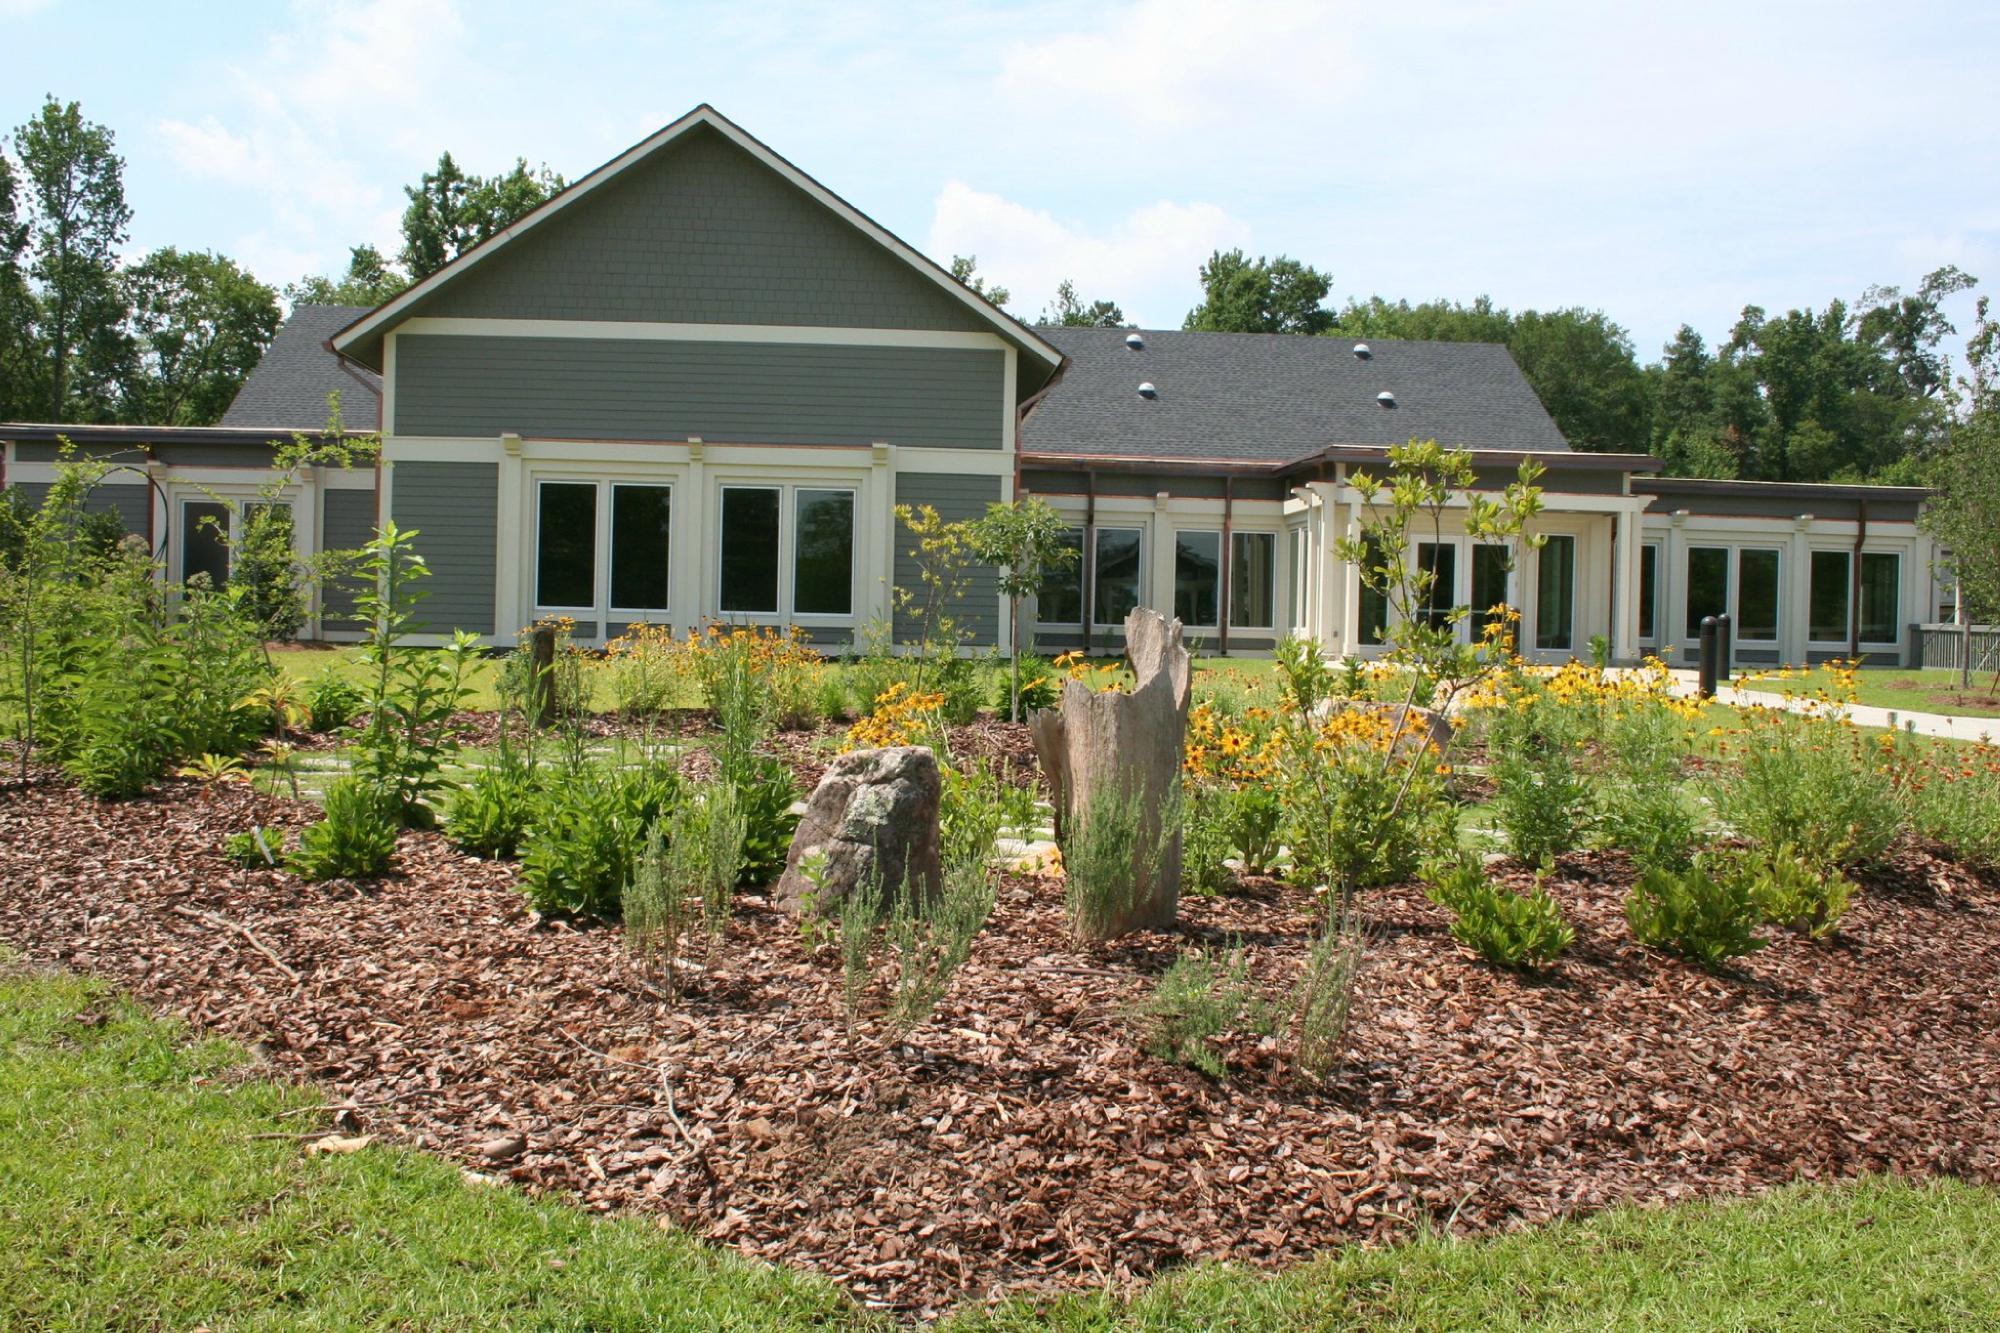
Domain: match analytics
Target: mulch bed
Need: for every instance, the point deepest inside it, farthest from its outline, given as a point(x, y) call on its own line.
point(1021, 1140)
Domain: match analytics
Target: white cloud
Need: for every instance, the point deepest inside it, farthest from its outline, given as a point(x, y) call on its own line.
point(1164, 65)
point(20, 9)
point(1147, 261)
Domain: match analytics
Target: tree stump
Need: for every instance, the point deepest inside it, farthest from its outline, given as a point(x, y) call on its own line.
point(542, 675)
point(1131, 744)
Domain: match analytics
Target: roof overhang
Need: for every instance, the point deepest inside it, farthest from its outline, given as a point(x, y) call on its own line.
point(1799, 490)
point(1339, 453)
point(361, 340)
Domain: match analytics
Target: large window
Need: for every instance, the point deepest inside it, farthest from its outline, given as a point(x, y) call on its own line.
point(1555, 595)
point(1707, 585)
point(750, 550)
point(1881, 589)
point(1649, 592)
point(566, 546)
point(1060, 601)
point(205, 541)
point(1827, 599)
point(1757, 594)
point(1374, 595)
point(823, 553)
point(1115, 591)
point(1439, 560)
point(1253, 579)
point(642, 524)
point(1489, 587)
point(1198, 577)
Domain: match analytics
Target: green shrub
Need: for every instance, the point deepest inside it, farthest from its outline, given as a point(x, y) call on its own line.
point(332, 701)
point(1706, 913)
point(1957, 806)
point(255, 848)
point(961, 681)
point(1109, 848)
point(765, 794)
point(975, 804)
point(1306, 674)
point(1194, 1002)
point(1208, 838)
point(933, 940)
point(589, 829)
point(488, 814)
point(1505, 927)
point(1540, 796)
point(1815, 784)
point(356, 839)
point(1361, 808)
point(1323, 1005)
point(1041, 686)
point(1793, 894)
point(658, 910)
point(706, 836)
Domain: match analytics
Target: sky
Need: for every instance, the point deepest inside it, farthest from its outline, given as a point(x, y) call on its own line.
point(1665, 163)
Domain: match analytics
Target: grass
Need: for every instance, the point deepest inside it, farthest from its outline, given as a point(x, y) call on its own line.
point(136, 1193)
point(1925, 690)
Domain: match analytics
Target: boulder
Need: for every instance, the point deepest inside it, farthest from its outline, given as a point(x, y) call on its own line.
point(874, 816)
point(1422, 724)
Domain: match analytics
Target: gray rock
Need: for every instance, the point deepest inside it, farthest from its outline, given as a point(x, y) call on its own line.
point(874, 816)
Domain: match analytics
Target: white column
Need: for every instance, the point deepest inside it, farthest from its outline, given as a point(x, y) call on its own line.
point(516, 514)
point(878, 599)
point(1625, 583)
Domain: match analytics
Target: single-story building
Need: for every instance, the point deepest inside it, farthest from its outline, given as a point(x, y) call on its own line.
point(696, 384)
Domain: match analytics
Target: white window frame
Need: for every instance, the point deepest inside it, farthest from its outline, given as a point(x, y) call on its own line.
point(1091, 608)
point(1659, 552)
point(236, 498)
point(1896, 627)
point(1736, 596)
point(1221, 590)
point(1081, 571)
point(1846, 554)
point(1279, 551)
point(786, 613)
point(600, 611)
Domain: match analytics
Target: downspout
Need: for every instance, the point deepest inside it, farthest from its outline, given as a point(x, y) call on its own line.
point(1228, 512)
point(1089, 598)
point(1854, 582)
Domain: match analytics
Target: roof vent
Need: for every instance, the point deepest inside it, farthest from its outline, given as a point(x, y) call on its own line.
point(1146, 390)
point(1361, 351)
point(1386, 398)
point(1134, 341)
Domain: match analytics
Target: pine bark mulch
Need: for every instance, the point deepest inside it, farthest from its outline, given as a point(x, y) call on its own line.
point(1021, 1140)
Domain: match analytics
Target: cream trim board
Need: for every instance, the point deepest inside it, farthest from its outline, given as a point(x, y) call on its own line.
point(701, 115)
point(649, 331)
point(624, 453)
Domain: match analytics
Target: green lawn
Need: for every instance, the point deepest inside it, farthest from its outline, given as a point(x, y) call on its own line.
point(135, 1192)
point(1930, 690)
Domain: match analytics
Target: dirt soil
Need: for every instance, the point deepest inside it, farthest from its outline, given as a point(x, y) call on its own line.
point(1021, 1140)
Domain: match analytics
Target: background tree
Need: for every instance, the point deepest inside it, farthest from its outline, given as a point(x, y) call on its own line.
point(370, 280)
point(450, 211)
point(1964, 514)
point(22, 391)
point(1027, 541)
point(77, 221)
point(966, 269)
point(200, 324)
point(1071, 311)
point(1242, 295)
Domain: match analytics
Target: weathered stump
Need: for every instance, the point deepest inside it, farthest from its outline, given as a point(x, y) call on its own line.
point(1128, 745)
point(874, 818)
point(542, 676)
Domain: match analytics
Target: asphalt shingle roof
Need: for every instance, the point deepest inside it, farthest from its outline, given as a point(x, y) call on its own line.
point(289, 386)
point(1264, 397)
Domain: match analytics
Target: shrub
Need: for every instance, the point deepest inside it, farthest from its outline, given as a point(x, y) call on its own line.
point(647, 670)
point(1194, 1002)
point(959, 682)
point(976, 803)
point(1323, 1005)
point(1505, 927)
point(1796, 895)
point(590, 824)
point(779, 669)
point(1308, 677)
point(1540, 797)
point(933, 940)
point(1107, 853)
point(658, 913)
point(1954, 800)
point(356, 839)
point(332, 701)
point(1207, 838)
point(489, 813)
point(1364, 803)
point(1041, 686)
point(1706, 913)
point(1815, 784)
point(706, 840)
point(255, 848)
point(765, 794)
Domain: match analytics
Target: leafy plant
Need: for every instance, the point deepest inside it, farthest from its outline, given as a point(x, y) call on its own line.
point(356, 839)
point(1505, 927)
point(1796, 895)
point(1955, 802)
point(1107, 853)
point(1208, 838)
point(579, 853)
point(210, 768)
point(489, 813)
point(1196, 1001)
point(255, 848)
point(332, 701)
point(1364, 801)
point(1323, 1004)
point(1027, 541)
point(1706, 913)
point(1814, 784)
point(1308, 677)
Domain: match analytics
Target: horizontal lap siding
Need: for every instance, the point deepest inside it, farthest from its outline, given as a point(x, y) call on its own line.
point(723, 392)
point(132, 504)
point(954, 497)
point(453, 507)
point(349, 523)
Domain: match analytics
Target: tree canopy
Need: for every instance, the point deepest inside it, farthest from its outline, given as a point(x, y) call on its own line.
point(966, 269)
point(450, 211)
point(200, 323)
point(1243, 295)
point(1072, 311)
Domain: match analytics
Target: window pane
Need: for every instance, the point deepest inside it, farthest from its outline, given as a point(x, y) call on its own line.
point(1828, 608)
point(1060, 601)
point(1489, 587)
point(823, 554)
point(641, 529)
point(1757, 595)
point(1881, 587)
point(750, 549)
point(1253, 578)
point(1374, 600)
point(566, 545)
point(204, 541)
point(1116, 593)
point(1440, 561)
point(1649, 589)
point(1707, 585)
point(1198, 577)
point(1555, 595)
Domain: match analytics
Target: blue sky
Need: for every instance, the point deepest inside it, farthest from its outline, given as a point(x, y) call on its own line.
point(1666, 162)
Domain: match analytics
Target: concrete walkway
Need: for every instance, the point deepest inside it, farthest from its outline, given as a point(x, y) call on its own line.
point(1945, 726)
